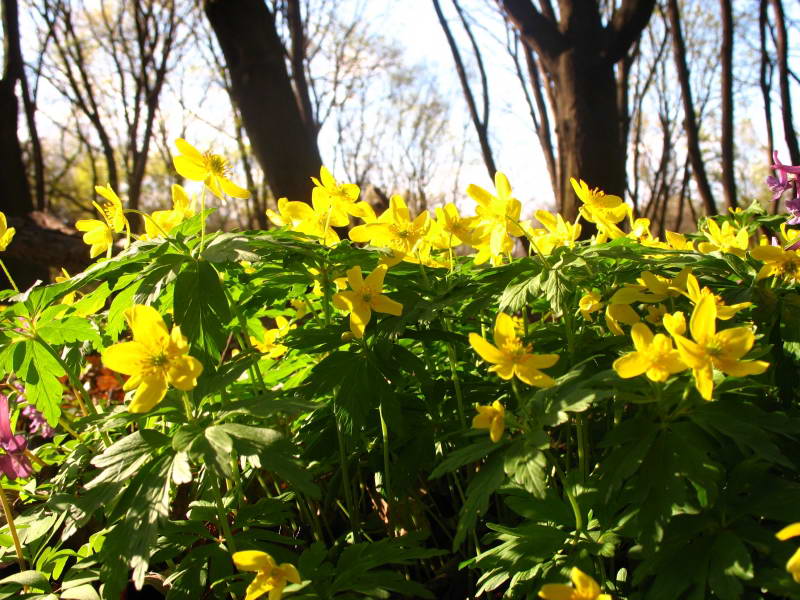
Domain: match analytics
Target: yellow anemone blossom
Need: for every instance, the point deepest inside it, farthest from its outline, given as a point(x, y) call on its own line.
point(498, 220)
point(710, 349)
point(6, 233)
point(654, 356)
point(511, 357)
point(270, 576)
point(100, 234)
point(777, 261)
point(154, 359)
point(586, 588)
point(724, 239)
point(269, 345)
point(212, 169)
point(364, 296)
point(491, 417)
point(604, 210)
point(65, 276)
point(724, 312)
point(557, 232)
point(162, 222)
point(793, 565)
point(450, 229)
point(342, 197)
point(677, 241)
point(620, 313)
point(589, 303)
point(317, 220)
point(394, 229)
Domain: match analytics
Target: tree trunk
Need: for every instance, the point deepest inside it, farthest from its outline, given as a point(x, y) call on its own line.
point(783, 82)
point(578, 54)
point(587, 124)
point(262, 89)
point(728, 180)
point(690, 121)
point(16, 198)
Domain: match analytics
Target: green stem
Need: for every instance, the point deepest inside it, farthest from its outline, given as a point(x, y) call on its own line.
point(187, 407)
point(12, 529)
point(202, 220)
point(580, 432)
point(453, 360)
point(387, 484)
point(222, 514)
point(8, 276)
point(348, 492)
point(576, 510)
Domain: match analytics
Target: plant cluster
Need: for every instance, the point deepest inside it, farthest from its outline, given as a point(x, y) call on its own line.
point(286, 414)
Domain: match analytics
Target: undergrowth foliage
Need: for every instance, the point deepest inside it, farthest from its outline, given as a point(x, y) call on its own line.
point(289, 414)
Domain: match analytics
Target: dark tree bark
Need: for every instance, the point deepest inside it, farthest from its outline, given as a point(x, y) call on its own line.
point(578, 54)
point(765, 76)
point(690, 121)
point(263, 92)
point(783, 82)
point(294, 20)
point(728, 179)
point(481, 122)
point(16, 197)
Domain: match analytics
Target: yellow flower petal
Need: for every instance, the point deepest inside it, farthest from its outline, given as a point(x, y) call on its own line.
point(149, 393)
point(487, 351)
point(788, 532)
point(188, 168)
point(126, 357)
point(384, 304)
point(253, 560)
point(632, 364)
point(557, 591)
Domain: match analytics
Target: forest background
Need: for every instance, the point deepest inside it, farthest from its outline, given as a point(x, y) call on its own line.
point(416, 97)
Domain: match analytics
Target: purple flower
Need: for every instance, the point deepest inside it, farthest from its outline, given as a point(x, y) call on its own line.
point(780, 184)
point(36, 422)
point(13, 463)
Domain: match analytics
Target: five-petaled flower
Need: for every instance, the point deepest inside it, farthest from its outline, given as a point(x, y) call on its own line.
point(212, 169)
point(586, 588)
point(710, 349)
point(491, 417)
point(154, 359)
point(511, 357)
point(364, 296)
point(654, 356)
point(271, 577)
point(793, 565)
point(100, 234)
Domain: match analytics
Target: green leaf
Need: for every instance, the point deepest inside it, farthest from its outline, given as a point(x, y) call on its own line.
point(480, 489)
point(66, 331)
point(201, 309)
point(40, 372)
point(464, 456)
point(33, 579)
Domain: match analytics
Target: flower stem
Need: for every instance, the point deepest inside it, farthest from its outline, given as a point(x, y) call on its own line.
point(12, 529)
point(348, 492)
point(8, 275)
point(202, 219)
point(222, 514)
point(576, 509)
point(387, 483)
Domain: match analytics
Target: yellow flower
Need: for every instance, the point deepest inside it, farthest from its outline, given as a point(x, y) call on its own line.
point(270, 576)
point(793, 565)
point(677, 241)
point(317, 220)
point(342, 197)
point(6, 233)
point(211, 169)
point(589, 303)
point(710, 349)
point(724, 239)
point(724, 312)
point(511, 357)
point(654, 356)
point(154, 359)
point(394, 229)
point(777, 261)
point(603, 210)
point(651, 288)
point(300, 306)
point(100, 234)
point(364, 296)
point(620, 313)
point(65, 276)
point(450, 229)
point(498, 220)
point(655, 314)
point(674, 323)
point(269, 345)
point(585, 588)
point(558, 232)
point(491, 417)
point(340, 283)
